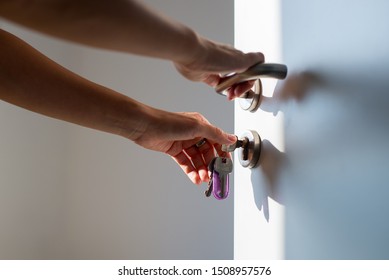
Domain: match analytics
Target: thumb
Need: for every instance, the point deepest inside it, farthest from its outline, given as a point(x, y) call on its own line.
point(216, 135)
point(249, 59)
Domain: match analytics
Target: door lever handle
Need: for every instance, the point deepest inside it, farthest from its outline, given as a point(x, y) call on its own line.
point(271, 70)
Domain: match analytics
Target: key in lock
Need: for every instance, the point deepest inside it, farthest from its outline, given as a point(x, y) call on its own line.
point(249, 144)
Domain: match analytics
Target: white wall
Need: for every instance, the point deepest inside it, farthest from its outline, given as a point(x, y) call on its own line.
point(335, 180)
point(327, 164)
point(71, 192)
point(259, 217)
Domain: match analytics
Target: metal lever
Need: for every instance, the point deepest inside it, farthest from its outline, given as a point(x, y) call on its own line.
point(271, 70)
point(250, 100)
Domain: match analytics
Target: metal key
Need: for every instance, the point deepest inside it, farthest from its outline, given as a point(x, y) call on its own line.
point(240, 143)
point(220, 177)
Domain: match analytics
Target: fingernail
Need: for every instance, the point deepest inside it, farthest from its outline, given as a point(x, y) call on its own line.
point(230, 97)
point(231, 137)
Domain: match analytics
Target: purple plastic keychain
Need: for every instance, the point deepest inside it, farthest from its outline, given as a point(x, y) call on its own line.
point(219, 184)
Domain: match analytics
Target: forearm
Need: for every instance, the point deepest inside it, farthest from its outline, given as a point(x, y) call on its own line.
point(121, 25)
point(32, 81)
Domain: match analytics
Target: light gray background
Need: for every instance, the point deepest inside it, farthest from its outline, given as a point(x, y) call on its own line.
point(68, 192)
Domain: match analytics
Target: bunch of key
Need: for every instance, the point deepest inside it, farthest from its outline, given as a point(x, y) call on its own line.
point(219, 183)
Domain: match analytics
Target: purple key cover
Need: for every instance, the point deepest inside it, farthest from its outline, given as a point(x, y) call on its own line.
point(217, 187)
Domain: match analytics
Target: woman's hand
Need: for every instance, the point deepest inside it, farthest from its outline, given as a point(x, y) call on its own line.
point(213, 60)
point(177, 134)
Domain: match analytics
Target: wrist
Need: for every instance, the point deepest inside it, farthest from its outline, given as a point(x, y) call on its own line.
point(137, 118)
point(191, 48)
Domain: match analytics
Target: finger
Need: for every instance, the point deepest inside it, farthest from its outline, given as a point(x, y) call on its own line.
point(199, 117)
point(239, 90)
point(240, 63)
point(197, 162)
point(205, 129)
point(230, 94)
point(249, 59)
point(214, 134)
point(233, 60)
point(212, 80)
point(220, 152)
point(242, 88)
point(208, 153)
point(186, 165)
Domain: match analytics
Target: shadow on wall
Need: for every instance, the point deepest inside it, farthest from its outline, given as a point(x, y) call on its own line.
point(271, 161)
point(296, 88)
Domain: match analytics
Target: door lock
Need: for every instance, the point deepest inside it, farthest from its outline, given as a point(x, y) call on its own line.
point(250, 100)
point(249, 144)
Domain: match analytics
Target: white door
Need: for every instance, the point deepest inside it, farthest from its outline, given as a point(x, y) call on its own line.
point(321, 190)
